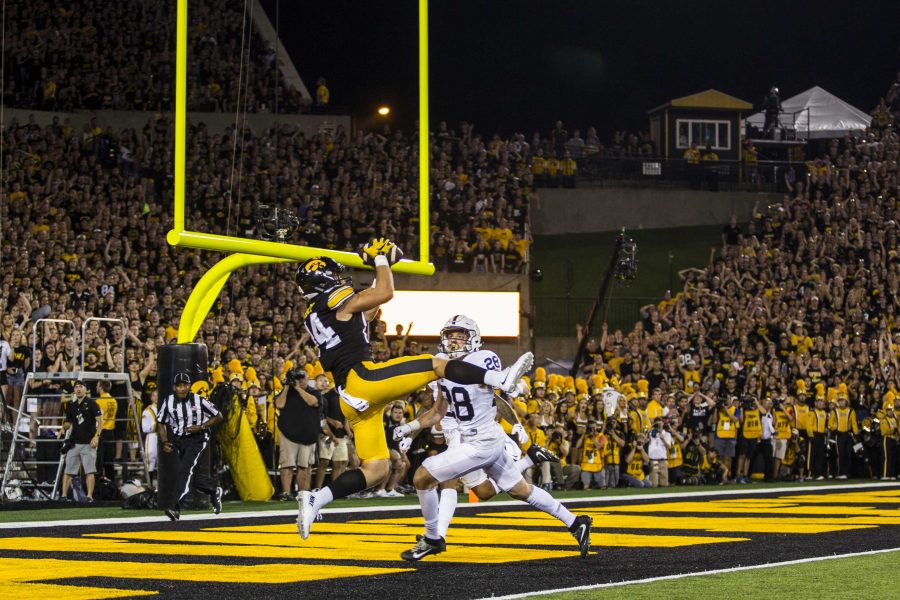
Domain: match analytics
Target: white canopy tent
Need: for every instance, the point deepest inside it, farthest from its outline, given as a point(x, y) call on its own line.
point(816, 114)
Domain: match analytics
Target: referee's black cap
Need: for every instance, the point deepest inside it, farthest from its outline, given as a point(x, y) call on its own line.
point(182, 377)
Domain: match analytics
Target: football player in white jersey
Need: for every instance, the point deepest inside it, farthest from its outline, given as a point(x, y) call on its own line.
point(481, 445)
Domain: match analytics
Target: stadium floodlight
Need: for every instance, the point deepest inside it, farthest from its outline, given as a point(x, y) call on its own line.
point(384, 110)
point(247, 251)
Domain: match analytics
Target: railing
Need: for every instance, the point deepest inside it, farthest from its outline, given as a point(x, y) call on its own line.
point(764, 176)
point(558, 315)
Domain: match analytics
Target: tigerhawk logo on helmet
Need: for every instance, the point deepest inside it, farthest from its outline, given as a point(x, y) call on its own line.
point(318, 275)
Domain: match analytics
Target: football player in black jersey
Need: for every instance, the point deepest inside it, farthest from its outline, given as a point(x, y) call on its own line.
point(337, 320)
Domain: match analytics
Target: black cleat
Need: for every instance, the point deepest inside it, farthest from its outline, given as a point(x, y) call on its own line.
point(423, 548)
point(173, 513)
point(581, 531)
point(217, 500)
point(539, 454)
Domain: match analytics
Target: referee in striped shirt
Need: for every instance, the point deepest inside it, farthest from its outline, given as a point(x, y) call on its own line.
point(188, 417)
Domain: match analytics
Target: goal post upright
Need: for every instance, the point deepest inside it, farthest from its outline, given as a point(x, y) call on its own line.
point(246, 251)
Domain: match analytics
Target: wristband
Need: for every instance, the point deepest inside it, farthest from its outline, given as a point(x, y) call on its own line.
point(414, 426)
point(381, 261)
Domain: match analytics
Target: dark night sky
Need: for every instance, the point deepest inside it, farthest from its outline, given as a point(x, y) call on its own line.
point(520, 65)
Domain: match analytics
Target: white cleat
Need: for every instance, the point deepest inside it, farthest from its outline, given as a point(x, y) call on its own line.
point(306, 514)
point(514, 373)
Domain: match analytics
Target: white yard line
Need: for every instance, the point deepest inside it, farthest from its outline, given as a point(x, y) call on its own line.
point(743, 491)
point(697, 574)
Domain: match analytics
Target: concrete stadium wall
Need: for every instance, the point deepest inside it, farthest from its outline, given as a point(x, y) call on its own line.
point(593, 208)
point(215, 122)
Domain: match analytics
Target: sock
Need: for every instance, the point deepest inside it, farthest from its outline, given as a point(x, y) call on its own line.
point(428, 500)
point(322, 497)
point(524, 463)
point(445, 511)
point(348, 483)
point(466, 373)
point(541, 500)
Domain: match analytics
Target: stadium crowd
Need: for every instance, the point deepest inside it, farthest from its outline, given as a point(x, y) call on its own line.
point(781, 352)
point(92, 55)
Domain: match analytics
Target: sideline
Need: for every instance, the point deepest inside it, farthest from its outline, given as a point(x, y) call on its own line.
point(415, 507)
point(785, 563)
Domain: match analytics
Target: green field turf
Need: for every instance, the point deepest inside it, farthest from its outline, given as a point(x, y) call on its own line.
point(20, 514)
point(573, 265)
point(870, 576)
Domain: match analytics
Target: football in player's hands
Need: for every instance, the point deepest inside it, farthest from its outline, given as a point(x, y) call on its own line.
point(383, 247)
point(401, 432)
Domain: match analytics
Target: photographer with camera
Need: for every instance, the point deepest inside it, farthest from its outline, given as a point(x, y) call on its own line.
point(672, 424)
point(750, 415)
point(658, 445)
point(85, 419)
point(612, 453)
point(564, 475)
point(589, 450)
point(638, 461)
point(693, 458)
point(297, 407)
point(727, 424)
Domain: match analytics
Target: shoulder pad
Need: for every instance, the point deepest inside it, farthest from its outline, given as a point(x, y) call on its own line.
point(338, 296)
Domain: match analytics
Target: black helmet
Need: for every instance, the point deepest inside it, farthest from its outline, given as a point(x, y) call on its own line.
point(318, 275)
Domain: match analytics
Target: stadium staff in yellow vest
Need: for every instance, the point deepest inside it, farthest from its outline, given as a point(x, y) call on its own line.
point(817, 431)
point(751, 433)
point(590, 449)
point(612, 454)
point(637, 460)
point(107, 446)
point(727, 424)
point(889, 436)
point(569, 169)
point(801, 414)
point(564, 475)
point(842, 421)
point(539, 169)
point(783, 427)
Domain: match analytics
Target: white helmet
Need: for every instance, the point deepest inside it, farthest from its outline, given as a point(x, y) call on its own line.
point(461, 323)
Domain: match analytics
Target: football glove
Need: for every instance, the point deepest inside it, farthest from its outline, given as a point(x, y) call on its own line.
point(380, 246)
point(404, 444)
point(401, 432)
point(520, 433)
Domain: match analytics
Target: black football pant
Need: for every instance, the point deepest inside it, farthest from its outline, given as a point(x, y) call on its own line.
point(188, 449)
point(889, 445)
point(765, 449)
point(815, 463)
point(844, 452)
point(105, 452)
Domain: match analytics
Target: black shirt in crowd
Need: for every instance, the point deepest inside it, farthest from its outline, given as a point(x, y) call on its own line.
point(298, 421)
point(83, 417)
